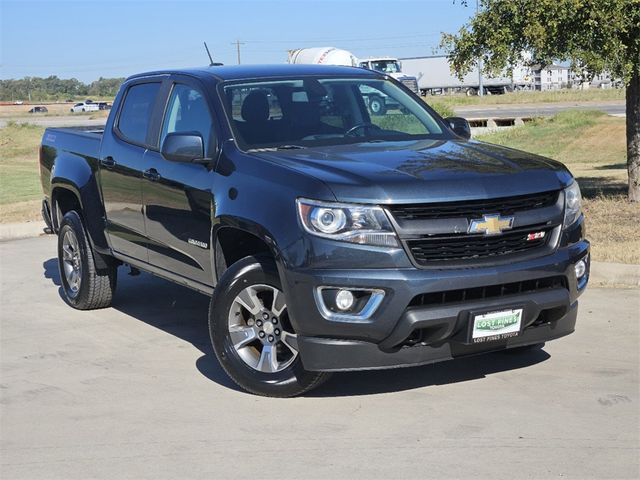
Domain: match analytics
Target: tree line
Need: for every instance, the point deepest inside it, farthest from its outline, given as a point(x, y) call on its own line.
point(38, 89)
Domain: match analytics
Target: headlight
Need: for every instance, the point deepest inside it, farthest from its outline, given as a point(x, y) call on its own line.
point(572, 204)
point(360, 224)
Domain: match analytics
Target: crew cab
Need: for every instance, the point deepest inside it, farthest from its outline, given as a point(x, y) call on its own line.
point(327, 239)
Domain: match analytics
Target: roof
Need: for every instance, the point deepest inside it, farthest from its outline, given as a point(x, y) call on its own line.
point(245, 72)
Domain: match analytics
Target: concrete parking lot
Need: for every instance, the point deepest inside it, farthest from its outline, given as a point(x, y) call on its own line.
point(134, 391)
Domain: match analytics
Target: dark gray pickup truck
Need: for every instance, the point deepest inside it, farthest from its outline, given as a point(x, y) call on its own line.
point(328, 239)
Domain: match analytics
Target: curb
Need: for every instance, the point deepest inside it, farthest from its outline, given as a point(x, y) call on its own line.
point(609, 274)
point(606, 274)
point(16, 231)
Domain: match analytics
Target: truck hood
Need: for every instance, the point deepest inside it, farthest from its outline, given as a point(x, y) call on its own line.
point(424, 170)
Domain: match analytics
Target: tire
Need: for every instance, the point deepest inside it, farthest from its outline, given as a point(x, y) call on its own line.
point(377, 105)
point(253, 285)
point(84, 287)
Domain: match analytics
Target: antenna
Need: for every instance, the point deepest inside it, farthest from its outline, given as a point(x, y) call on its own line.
point(208, 53)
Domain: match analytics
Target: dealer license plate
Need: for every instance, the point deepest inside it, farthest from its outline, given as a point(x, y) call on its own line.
point(500, 325)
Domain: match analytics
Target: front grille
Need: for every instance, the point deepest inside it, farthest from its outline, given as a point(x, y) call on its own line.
point(474, 208)
point(463, 247)
point(411, 84)
point(491, 291)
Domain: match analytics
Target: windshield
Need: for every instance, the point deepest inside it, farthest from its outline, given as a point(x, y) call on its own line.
point(300, 112)
point(386, 66)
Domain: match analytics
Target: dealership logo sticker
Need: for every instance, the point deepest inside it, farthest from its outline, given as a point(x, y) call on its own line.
point(496, 325)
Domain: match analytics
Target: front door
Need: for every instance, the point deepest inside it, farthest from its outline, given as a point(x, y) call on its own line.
point(122, 161)
point(177, 196)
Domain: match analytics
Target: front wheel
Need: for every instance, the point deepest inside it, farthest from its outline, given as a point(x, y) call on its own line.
point(252, 335)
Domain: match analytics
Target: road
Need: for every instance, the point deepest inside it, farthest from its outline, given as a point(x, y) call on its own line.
point(535, 110)
point(134, 391)
point(471, 112)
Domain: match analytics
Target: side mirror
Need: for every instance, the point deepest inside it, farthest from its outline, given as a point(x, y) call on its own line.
point(460, 127)
point(183, 147)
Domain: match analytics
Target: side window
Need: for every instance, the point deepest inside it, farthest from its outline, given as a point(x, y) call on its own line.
point(135, 115)
point(187, 112)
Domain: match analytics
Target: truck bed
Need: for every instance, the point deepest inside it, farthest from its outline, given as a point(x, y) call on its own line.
point(68, 145)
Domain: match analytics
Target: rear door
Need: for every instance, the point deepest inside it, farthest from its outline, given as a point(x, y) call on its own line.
point(122, 163)
point(177, 196)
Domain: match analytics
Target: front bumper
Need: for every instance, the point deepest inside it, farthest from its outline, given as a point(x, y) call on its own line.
point(386, 339)
point(324, 354)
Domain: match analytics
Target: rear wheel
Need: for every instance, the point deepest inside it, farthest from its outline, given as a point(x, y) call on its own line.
point(84, 286)
point(252, 334)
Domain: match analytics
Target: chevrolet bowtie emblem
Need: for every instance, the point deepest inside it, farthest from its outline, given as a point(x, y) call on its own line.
point(491, 224)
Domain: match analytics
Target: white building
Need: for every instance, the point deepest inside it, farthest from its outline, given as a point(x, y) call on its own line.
point(552, 77)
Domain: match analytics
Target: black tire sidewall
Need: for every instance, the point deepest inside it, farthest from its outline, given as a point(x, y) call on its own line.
point(292, 380)
point(379, 101)
point(72, 221)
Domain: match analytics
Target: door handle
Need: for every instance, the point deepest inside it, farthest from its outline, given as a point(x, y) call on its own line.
point(108, 162)
point(151, 174)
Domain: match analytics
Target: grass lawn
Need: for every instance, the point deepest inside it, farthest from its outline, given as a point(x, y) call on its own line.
point(20, 191)
point(552, 96)
point(592, 145)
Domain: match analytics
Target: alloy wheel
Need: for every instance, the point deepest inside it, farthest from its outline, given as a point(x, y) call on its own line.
point(260, 331)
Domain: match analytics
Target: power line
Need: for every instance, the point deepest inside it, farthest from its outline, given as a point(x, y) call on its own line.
point(352, 39)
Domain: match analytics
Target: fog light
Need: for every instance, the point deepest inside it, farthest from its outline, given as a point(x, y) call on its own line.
point(581, 268)
point(344, 300)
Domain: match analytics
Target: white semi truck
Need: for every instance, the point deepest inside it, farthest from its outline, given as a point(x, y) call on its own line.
point(378, 102)
point(435, 77)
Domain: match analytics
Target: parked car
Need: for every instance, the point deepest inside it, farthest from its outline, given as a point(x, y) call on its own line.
point(328, 239)
point(39, 109)
point(85, 107)
point(104, 106)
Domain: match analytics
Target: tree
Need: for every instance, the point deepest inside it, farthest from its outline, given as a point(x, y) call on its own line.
point(594, 35)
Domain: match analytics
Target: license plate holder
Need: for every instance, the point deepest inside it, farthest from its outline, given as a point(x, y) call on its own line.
point(495, 325)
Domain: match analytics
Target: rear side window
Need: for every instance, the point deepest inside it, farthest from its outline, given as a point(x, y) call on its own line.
point(135, 114)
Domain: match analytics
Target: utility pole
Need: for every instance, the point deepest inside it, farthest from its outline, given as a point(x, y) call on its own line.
point(480, 86)
point(237, 43)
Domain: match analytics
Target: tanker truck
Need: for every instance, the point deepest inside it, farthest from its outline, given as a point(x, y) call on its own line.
point(377, 102)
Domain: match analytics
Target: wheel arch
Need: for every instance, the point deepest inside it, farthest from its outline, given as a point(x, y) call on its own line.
point(67, 198)
point(234, 242)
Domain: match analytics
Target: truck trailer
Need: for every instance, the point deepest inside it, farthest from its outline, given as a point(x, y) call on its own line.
point(435, 78)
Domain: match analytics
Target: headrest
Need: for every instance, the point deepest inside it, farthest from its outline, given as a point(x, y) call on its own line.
point(255, 107)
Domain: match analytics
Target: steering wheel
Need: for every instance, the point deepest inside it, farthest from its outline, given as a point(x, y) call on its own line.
point(360, 126)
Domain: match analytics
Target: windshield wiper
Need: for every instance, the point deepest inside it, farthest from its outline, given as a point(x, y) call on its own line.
point(290, 147)
point(273, 149)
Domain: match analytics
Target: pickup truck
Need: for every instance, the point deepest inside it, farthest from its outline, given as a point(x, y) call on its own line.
point(328, 239)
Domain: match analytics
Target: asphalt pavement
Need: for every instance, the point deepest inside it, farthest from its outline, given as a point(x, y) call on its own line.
point(471, 112)
point(534, 110)
point(134, 391)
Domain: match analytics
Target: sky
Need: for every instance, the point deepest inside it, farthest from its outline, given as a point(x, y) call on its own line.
point(99, 38)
